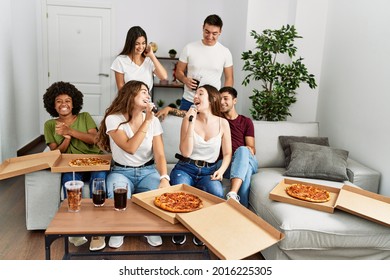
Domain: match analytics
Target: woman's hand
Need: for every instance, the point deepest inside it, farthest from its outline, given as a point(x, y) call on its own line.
point(63, 129)
point(149, 111)
point(164, 183)
point(217, 176)
point(191, 113)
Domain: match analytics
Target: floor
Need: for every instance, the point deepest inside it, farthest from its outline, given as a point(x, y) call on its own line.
point(18, 243)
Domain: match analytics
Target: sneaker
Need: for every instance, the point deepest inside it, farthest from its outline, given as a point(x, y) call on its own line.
point(77, 241)
point(179, 239)
point(115, 241)
point(197, 241)
point(154, 240)
point(233, 195)
point(97, 243)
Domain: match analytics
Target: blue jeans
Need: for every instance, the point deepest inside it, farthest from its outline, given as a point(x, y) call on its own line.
point(139, 179)
point(82, 176)
point(185, 104)
point(243, 166)
point(199, 177)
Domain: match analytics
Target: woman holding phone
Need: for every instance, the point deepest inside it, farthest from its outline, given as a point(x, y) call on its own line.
point(137, 61)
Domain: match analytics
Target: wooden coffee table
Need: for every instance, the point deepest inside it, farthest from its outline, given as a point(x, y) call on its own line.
point(105, 221)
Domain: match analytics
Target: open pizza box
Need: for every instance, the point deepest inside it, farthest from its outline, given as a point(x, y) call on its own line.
point(26, 164)
point(227, 228)
point(146, 200)
point(62, 163)
point(353, 200)
point(54, 160)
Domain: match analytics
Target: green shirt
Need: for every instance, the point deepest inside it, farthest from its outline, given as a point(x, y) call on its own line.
point(83, 123)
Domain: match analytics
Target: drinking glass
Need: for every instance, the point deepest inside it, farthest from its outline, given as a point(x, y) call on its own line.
point(120, 196)
point(98, 192)
point(74, 191)
point(197, 77)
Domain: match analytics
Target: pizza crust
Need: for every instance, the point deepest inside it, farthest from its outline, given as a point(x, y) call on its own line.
point(178, 202)
point(308, 193)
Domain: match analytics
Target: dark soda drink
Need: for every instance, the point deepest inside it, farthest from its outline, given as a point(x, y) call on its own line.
point(120, 199)
point(197, 83)
point(99, 197)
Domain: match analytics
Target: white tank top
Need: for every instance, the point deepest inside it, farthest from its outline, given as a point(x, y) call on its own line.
point(207, 150)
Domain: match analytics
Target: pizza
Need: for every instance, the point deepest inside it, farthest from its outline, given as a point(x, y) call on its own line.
point(88, 161)
point(308, 193)
point(178, 202)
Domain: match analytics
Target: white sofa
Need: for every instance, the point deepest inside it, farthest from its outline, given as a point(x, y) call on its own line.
point(310, 234)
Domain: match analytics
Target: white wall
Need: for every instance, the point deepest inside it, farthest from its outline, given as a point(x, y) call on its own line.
point(18, 72)
point(354, 98)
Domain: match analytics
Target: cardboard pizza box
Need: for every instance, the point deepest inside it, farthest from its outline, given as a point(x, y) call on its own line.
point(53, 160)
point(26, 164)
point(279, 194)
point(228, 229)
point(62, 163)
point(146, 200)
point(365, 204)
point(353, 200)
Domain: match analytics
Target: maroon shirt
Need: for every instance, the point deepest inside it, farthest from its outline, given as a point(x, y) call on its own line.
point(240, 128)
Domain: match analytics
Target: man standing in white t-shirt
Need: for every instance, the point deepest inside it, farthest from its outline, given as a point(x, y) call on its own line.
point(207, 59)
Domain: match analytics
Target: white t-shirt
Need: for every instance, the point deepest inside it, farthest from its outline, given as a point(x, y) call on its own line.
point(144, 73)
point(207, 61)
point(144, 152)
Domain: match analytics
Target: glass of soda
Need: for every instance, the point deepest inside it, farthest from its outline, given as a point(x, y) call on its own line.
point(196, 77)
point(98, 192)
point(120, 196)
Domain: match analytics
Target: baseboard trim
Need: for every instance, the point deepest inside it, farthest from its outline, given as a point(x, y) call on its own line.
point(29, 146)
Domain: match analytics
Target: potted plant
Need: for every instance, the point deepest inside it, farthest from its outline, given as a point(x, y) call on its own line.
point(172, 53)
point(279, 80)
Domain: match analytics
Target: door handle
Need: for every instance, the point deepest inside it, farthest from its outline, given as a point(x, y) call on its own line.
point(103, 74)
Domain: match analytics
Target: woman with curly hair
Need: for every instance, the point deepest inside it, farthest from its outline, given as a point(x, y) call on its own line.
point(131, 132)
point(71, 132)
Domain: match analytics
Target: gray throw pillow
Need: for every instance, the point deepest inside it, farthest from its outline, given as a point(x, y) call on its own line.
point(285, 142)
point(318, 162)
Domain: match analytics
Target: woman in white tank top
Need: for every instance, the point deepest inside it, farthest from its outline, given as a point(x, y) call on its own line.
point(203, 134)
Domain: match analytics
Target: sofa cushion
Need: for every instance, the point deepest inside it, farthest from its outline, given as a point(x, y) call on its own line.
point(171, 137)
point(285, 141)
point(269, 152)
point(316, 161)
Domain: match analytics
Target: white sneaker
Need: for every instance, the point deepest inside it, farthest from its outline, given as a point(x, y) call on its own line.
point(77, 241)
point(115, 241)
point(154, 240)
point(234, 196)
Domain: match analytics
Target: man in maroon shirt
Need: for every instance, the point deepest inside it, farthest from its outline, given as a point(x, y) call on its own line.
point(244, 162)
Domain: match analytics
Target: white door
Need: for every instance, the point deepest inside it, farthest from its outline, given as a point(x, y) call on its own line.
point(79, 52)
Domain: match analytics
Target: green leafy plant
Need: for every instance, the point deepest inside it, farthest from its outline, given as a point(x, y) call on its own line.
point(279, 80)
point(160, 103)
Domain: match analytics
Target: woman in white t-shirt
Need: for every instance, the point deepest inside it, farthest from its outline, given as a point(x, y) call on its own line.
point(131, 132)
point(137, 60)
